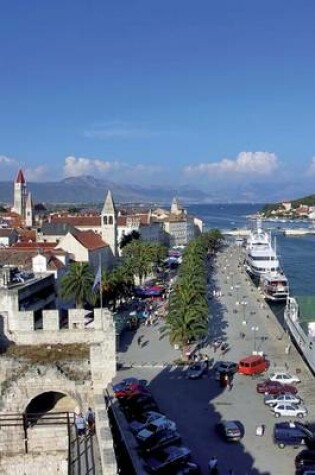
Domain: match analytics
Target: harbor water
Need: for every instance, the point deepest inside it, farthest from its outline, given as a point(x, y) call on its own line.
point(296, 253)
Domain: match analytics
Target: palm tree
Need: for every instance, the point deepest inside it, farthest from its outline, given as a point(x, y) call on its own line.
point(77, 283)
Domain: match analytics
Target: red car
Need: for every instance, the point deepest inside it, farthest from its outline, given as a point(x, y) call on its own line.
point(131, 390)
point(274, 387)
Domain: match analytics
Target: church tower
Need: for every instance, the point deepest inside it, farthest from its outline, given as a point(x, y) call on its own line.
point(29, 211)
point(20, 194)
point(109, 223)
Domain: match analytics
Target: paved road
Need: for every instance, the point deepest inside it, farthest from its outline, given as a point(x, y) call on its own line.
point(197, 405)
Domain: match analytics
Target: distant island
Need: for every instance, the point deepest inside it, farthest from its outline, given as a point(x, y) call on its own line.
point(301, 208)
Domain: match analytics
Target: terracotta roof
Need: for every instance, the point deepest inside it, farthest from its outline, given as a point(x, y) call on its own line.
point(121, 220)
point(34, 245)
point(6, 232)
point(143, 219)
point(90, 240)
point(82, 221)
point(26, 235)
point(20, 177)
point(22, 259)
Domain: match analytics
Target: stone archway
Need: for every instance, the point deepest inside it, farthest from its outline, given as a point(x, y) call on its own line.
point(51, 401)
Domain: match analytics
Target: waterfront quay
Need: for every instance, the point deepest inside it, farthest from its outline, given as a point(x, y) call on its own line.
point(246, 323)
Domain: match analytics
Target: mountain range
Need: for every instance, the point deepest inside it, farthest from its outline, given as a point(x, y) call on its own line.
point(88, 189)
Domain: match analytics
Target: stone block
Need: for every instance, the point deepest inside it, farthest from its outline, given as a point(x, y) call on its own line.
point(50, 320)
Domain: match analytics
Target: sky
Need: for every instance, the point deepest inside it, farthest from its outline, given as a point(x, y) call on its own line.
point(212, 94)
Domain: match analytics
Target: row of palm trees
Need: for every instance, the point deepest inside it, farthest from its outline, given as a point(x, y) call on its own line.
point(189, 318)
point(139, 259)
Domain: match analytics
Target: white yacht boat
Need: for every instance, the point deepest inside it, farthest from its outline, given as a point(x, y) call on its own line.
point(274, 286)
point(299, 317)
point(260, 257)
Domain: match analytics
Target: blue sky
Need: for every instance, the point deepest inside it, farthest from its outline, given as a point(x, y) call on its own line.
point(209, 93)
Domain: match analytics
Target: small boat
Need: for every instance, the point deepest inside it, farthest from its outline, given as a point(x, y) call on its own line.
point(274, 286)
point(299, 317)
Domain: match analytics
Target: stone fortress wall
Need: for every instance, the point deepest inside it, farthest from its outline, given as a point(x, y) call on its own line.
point(83, 382)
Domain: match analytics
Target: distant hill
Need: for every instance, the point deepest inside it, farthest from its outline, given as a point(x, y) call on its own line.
point(306, 200)
point(88, 189)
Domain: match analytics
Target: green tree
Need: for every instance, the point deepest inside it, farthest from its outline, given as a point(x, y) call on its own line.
point(77, 283)
point(127, 238)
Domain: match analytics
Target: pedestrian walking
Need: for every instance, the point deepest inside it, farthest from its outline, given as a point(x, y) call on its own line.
point(80, 424)
point(213, 466)
point(206, 358)
point(139, 340)
point(90, 419)
point(230, 382)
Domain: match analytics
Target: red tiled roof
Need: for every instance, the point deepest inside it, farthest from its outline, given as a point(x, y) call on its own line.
point(90, 240)
point(23, 259)
point(5, 232)
point(20, 177)
point(82, 221)
point(26, 235)
point(121, 220)
point(34, 245)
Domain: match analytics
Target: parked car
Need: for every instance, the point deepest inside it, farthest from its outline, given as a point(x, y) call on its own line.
point(231, 431)
point(292, 433)
point(196, 370)
point(131, 390)
point(154, 427)
point(164, 459)
point(274, 387)
point(273, 400)
point(144, 419)
point(291, 410)
point(304, 461)
point(284, 378)
point(159, 440)
point(134, 407)
point(225, 367)
point(127, 381)
point(253, 364)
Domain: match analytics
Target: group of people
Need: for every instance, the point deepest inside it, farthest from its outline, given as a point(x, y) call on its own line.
point(84, 423)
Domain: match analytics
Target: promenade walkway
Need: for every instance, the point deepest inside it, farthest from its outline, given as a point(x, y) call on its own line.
point(197, 405)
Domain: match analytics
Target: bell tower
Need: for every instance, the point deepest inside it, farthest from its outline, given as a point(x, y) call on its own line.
point(20, 194)
point(109, 223)
point(29, 211)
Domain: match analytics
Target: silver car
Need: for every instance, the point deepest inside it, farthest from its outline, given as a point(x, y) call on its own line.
point(273, 400)
point(290, 410)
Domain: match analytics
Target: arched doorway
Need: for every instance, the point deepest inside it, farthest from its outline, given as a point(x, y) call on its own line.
point(50, 402)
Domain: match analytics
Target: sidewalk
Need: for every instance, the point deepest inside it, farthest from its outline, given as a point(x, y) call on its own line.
point(242, 309)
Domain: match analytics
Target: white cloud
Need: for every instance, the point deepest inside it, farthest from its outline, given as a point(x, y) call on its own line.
point(246, 163)
point(311, 169)
point(4, 160)
point(86, 166)
point(36, 174)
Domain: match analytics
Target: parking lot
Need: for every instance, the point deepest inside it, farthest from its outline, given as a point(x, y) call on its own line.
point(196, 405)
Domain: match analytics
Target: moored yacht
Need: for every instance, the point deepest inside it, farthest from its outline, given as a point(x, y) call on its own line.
point(274, 286)
point(260, 257)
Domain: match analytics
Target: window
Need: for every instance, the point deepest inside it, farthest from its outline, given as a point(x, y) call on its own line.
point(110, 220)
point(104, 219)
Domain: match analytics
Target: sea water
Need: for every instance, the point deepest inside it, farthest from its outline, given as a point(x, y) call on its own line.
point(296, 253)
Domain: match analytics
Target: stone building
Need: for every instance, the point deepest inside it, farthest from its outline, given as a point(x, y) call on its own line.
point(52, 371)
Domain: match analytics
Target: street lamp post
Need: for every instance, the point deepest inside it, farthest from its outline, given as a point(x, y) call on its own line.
point(237, 288)
point(255, 329)
point(244, 303)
